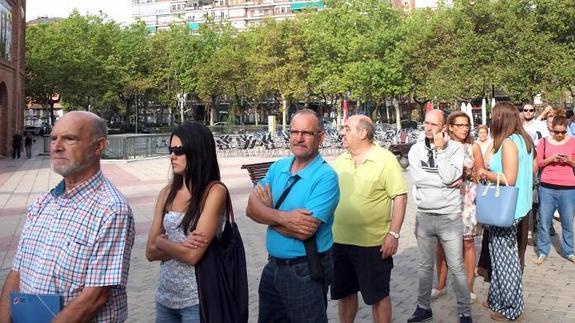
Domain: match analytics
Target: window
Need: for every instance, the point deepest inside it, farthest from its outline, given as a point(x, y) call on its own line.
point(5, 30)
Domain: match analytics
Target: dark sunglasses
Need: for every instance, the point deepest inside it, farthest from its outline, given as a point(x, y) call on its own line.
point(177, 150)
point(559, 132)
point(528, 110)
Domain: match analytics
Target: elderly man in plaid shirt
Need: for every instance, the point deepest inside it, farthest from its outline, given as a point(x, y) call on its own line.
point(78, 237)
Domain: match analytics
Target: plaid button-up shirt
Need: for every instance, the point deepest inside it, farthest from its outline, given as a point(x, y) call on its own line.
point(77, 239)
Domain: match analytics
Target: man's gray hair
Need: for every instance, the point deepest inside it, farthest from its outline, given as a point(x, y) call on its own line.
point(100, 127)
point(367, 125)
point(310, 112)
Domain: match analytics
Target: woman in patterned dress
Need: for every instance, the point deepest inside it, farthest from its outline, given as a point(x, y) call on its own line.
point(512, 156)
point(458, 124)
point(171, 240)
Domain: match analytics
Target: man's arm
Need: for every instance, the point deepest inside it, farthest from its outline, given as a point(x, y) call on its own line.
point(11, 284)
point(450, 163)
point(321, 202)
point(420, 177)
point(390, 243)
point(86, 306)
point(297, 223)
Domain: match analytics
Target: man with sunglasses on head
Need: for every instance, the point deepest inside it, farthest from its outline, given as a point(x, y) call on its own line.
point(77, 239)
point(294, 282)
point(538, 127)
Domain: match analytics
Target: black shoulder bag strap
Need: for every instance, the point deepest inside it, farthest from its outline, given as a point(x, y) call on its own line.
point(315, 270)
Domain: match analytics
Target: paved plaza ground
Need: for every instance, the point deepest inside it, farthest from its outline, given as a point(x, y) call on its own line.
point(549, 288)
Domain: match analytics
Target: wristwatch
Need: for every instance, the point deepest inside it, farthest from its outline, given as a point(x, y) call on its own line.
point(394, 234)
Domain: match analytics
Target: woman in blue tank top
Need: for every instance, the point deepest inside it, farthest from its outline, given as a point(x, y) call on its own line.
point(513, 156)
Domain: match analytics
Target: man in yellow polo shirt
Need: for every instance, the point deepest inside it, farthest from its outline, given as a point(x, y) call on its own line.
point(367, 221)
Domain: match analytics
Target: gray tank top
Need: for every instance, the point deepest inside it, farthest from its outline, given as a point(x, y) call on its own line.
point(177, 280)
point(177, 286)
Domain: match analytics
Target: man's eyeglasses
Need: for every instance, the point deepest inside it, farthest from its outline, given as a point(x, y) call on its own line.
point(305, 133)
point(528, 110)
point(461, 125)
point(177, 150)
point(562, 132)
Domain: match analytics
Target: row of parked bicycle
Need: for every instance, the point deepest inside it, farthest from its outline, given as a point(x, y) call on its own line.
point(277, 144)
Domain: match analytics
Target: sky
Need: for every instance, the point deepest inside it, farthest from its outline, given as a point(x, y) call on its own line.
point(118, 10)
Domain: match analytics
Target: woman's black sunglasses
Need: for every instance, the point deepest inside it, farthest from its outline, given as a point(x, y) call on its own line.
point(177, 150)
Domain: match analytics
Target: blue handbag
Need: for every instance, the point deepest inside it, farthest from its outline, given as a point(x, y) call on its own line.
point(496, 204)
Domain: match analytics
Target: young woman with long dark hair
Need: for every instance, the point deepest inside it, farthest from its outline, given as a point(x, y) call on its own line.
point(195, 166)
point(513, 157)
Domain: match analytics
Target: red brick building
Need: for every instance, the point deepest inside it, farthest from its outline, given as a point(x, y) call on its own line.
point(12, 103)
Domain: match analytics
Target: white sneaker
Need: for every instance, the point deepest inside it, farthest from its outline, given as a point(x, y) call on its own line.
point(437, 293)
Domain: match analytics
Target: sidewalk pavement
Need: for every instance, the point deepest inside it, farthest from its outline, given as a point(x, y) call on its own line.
point(549, 288)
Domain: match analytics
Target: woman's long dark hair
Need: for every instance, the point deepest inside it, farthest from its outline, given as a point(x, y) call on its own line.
point(201, 168)
point(505, 121)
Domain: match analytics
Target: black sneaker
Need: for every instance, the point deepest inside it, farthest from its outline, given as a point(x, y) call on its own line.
point(465, 319)
point(420, 315)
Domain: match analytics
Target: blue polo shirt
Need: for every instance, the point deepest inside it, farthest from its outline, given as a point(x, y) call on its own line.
point(317, 191)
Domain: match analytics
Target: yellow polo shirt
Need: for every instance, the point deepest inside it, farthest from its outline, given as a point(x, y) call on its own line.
point(363, 215)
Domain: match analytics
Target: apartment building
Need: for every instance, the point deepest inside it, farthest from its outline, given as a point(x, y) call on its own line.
point(242, 14)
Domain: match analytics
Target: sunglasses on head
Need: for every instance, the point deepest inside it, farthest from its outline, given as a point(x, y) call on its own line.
point(528, 110)
point(177, 150)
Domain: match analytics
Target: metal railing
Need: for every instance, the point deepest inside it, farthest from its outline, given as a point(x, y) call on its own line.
point(131, 146)
point(137, 146)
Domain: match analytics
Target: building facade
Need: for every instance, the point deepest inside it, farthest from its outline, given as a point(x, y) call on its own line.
point(242, 14)
point(12, 44)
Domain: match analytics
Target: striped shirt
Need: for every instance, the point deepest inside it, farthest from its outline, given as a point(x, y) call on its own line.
point(76, 239)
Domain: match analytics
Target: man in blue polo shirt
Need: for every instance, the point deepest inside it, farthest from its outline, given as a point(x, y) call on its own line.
point(288, 291)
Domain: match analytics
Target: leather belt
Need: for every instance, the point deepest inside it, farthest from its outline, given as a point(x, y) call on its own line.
point(292, 261)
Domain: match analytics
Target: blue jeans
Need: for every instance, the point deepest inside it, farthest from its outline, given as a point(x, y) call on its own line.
point(549, 201)
point(288, 294)
point(189, 314)
point(448, 229)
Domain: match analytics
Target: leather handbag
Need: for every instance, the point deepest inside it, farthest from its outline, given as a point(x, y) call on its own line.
point(496, 204)
point(221, 274)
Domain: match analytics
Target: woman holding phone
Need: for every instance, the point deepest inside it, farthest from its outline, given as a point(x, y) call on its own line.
point(556, 160)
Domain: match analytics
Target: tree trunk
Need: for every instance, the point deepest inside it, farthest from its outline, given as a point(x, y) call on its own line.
point(397, 113)
point(212, 111)
point(339, 109)
point(284, 113)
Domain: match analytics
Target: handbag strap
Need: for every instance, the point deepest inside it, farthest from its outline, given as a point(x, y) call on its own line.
point(229, 209)
point(497, 184)
point(294, 180)
point(504, 178)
